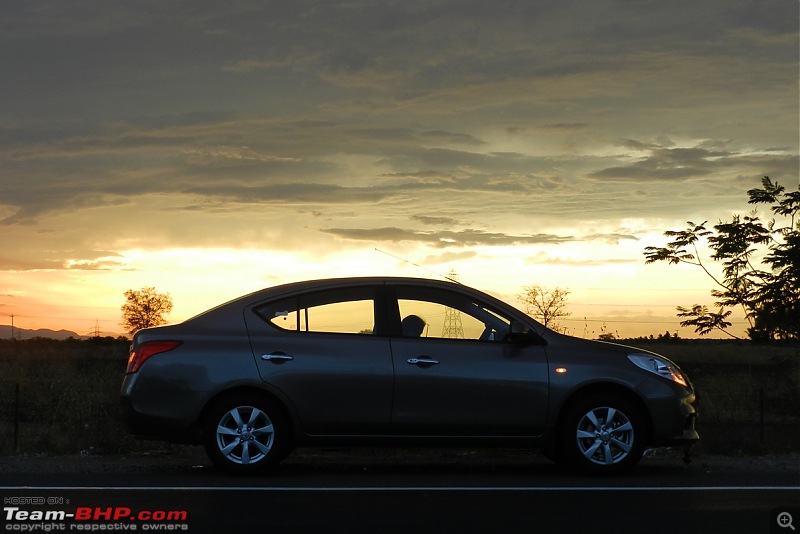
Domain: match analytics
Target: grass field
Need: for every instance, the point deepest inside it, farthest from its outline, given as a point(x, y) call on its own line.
point(61, 397)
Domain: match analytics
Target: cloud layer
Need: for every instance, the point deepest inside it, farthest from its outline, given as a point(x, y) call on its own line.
point(448, 127)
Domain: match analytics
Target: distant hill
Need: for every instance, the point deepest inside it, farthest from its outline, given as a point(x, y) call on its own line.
point(22, 333)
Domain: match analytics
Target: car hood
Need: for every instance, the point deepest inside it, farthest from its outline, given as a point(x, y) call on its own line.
point(605, 348)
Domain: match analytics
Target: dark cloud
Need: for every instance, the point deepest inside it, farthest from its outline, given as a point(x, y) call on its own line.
point(28, 258)
point(705, 160)
point(311, 193)
point(442, 137)
point(95, 265)
point(18, 264)
point(55, 199)
point(668, 164)
point(611, 239)
point(564, 126)
point(436, 221)
point(442, 239)
point(449, 113)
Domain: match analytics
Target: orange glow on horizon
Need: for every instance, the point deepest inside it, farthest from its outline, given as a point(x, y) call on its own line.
point(200, 279)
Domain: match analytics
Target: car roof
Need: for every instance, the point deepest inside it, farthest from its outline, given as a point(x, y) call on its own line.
point(329, 283)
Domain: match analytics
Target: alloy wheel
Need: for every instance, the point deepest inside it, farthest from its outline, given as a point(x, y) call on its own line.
point(605, 436)
point(245, 435)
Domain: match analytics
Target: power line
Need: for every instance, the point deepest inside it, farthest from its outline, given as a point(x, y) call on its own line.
point(621, 304)
point(53, 317)
point(625, 321)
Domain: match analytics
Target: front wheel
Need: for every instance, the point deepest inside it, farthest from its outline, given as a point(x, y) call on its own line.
point(246, 435)
point(603, 435)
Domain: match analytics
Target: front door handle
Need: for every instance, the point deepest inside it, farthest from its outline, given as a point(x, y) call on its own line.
point(423, 361)
point(277, 357)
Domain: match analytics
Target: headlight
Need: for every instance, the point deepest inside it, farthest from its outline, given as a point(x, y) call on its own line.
point(658, 366)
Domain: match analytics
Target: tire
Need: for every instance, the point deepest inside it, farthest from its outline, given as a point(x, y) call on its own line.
point(603, 434)
point(246, 434)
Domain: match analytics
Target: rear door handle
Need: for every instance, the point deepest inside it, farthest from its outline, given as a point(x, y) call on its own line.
point(277, 357)
point(423, 362)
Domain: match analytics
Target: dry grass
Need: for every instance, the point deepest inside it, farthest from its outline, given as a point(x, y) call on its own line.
point(68, 391)
point(748, 393)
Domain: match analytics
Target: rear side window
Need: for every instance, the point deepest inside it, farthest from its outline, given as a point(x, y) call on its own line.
point(338, 311)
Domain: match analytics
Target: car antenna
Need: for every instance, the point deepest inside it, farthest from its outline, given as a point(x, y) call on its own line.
point(446, 277)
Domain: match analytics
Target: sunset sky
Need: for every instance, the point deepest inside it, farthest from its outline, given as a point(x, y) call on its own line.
point(212, 148)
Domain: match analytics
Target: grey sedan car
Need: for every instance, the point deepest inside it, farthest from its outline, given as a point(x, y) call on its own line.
point(397, 361)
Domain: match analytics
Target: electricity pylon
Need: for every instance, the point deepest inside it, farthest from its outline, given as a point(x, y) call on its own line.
point(452, 318)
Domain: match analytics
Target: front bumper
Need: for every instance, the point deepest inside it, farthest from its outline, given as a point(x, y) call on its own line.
point(673, 414)
point(689, 436)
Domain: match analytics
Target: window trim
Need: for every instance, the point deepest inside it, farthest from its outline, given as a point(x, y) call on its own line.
point(372, 291)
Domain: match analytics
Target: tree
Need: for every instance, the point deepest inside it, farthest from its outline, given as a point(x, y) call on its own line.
point(145, 308)
point(760, 266)
point(546, 305)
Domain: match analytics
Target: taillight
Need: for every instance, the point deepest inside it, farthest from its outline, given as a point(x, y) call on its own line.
point(147, 349)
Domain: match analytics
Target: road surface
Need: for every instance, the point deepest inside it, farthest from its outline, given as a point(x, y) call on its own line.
point(363, 491)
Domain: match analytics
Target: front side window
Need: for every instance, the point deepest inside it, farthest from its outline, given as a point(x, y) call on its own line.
point(439, 314)
point(340, 311)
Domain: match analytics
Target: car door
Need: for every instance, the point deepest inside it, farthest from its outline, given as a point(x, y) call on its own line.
point(459, 374)
point(323, 352)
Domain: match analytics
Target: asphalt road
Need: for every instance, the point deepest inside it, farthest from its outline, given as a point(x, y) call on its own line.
point(352, 492)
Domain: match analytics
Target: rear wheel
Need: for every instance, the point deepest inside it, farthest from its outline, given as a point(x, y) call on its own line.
point(603, 434)
point(246, 435)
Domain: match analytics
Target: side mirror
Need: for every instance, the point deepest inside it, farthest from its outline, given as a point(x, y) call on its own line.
point(519, 328)
point(521, 334)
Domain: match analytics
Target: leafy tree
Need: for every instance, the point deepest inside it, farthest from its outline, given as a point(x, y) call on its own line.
point(145, 308)
point(760, 266)
point(546, 305)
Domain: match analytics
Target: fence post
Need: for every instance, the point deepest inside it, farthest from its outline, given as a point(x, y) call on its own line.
point(761, 410)
point(16, 417)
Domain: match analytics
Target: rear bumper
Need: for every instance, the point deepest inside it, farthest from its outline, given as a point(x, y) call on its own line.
point(150, 427)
